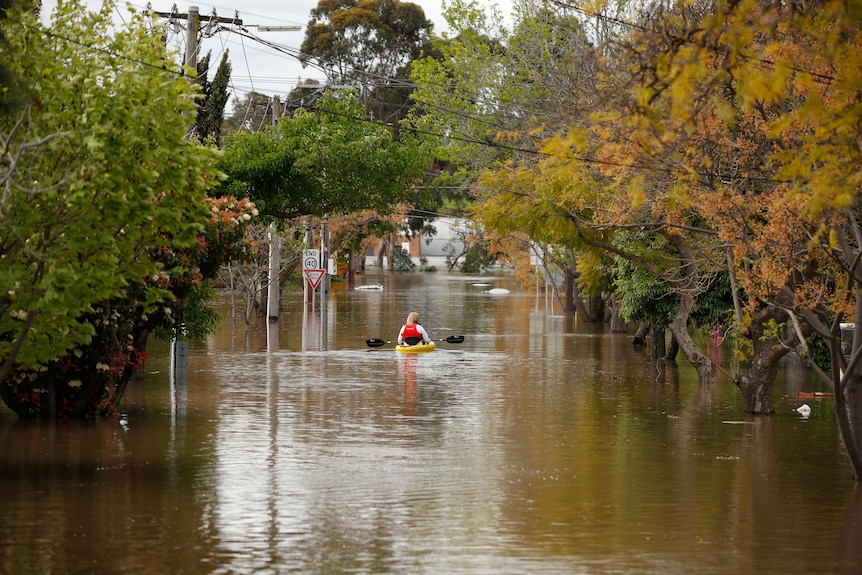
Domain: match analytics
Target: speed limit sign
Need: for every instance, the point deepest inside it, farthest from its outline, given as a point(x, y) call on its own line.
point(310, 259)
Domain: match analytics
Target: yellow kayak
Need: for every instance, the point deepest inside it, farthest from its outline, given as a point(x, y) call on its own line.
point(418, 348)
point(414, 348)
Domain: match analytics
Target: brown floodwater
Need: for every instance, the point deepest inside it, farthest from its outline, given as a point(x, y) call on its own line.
point(523, 449)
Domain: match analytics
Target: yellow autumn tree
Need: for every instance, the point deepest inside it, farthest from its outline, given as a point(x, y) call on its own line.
point(756, 109)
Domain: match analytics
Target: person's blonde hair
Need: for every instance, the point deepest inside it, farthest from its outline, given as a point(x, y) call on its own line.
point(413, 317)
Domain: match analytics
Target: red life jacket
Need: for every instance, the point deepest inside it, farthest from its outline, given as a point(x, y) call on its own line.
point(410, 330)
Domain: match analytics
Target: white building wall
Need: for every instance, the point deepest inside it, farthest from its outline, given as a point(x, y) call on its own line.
point(437, 247)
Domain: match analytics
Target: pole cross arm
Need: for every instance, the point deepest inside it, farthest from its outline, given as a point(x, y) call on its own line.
point(205, 17)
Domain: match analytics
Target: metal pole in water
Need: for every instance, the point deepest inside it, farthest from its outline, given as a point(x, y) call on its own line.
point(180, 349)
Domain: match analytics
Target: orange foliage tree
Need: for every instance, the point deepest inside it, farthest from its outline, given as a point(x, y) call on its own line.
point(754, 107)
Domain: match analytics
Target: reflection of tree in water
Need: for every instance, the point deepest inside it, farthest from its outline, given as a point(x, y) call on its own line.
point(849, 550)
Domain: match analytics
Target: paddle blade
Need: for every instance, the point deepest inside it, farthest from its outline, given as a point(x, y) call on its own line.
point(374, 342)
point(455, 339)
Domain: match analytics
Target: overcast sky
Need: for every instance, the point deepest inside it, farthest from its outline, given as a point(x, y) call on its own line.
point(256, 67)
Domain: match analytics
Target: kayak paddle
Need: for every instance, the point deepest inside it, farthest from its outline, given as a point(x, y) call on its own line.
point(380, 342)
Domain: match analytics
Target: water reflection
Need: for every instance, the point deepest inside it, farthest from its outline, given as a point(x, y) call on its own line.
point(408, 363)
point(523, 449)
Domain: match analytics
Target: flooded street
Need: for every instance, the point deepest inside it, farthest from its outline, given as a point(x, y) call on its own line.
point(520, 450)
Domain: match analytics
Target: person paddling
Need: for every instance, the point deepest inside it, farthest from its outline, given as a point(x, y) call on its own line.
point(412, 332)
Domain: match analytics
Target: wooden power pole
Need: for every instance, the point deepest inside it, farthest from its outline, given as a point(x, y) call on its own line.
point(194, 25)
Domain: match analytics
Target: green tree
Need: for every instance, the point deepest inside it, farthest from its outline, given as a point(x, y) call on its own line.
point(251, 113)
point(213, 99)
point(458, 96)
point(323, 161)
point(95, 199)
point(368, 45)
point(565, 194)
point(12, 92)
point(90, 381)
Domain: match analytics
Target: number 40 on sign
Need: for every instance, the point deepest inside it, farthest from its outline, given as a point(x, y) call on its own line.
point(311, 267)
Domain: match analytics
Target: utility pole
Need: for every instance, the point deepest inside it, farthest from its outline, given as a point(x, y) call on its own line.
point(273, 288)
point(194, 19)
point(192, 40)
point(191, 64)
point(276, 110)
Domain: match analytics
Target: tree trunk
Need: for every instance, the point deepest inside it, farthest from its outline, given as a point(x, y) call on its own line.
point(679, 324)
point(672, 349)
point(381, 252)
point(757, 381)
point(854, 413)
point(679, 328)
point(597, 307)
point(639, 338)
point(657, 343)
point(351, 269)
point(756, 384)
point(847, 401)
point(574, 303)
point(618, 324)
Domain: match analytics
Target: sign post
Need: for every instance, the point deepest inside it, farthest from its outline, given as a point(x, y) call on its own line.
point(311, 267)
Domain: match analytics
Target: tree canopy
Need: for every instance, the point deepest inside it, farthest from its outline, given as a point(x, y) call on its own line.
point(328, 160)
point(365, 39)
point(101, 204)
point(721, 142)
point(251, 113)
point(214, 97)
point(368, 45)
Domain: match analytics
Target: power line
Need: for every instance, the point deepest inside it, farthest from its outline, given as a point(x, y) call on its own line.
point(239, 29)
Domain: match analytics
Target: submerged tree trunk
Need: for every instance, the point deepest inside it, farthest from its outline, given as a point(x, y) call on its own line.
point(351, 269)
point(672, 349)
point(851, 388)
point(574, 303)
point(679, 324)
point(639, 338)
point(381, 252)
point(846, 379)
point(845, 376)
point(852, 409)
point(577, 303)
point(757, 381)
point(657, 343)
point(679, 328)
point(617, 321)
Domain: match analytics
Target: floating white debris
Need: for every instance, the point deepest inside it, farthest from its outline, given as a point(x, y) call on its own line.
point(498, 291)
point(804, 410)
point(481, 285)
point(370, 287)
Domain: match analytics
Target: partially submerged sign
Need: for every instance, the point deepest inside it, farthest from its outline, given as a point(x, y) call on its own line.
point(313, 277)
